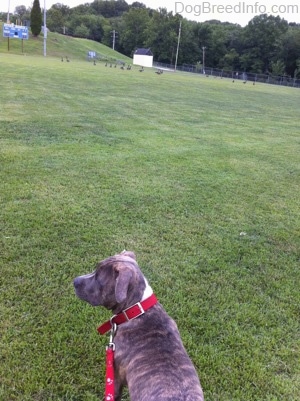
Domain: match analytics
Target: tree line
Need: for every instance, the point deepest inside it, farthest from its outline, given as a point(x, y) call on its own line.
point(267, 44)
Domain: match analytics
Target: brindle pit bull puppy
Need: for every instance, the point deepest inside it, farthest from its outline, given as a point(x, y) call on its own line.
point(149, 355)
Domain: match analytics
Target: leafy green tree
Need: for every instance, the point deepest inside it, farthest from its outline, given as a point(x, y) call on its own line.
point(81, 31)
point(108, 26)
point(221, 41)
point(289, 49)
point(21, 12)
point(231, 60)
point(110, 8)
point(81, 10)
point(86, 26)
point(221, 38)
point(260, 41)
point(137, 4)
point(162, 35)
point(277, 67)
point(250, 60)
point(133, 31)
point(57, 17)
point(189, 52)
point(297, 70)
point(203, 33)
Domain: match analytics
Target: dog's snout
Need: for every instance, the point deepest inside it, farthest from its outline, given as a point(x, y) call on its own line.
point(77, 282)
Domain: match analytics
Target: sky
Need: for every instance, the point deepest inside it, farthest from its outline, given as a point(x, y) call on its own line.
point(239, 12)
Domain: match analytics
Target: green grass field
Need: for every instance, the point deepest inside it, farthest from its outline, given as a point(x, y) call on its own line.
point(198, 176)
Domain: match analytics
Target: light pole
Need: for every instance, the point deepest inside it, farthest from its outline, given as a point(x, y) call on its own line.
point(8, 23)
point(114, 36)
point(114, 39)
point(8, 11)
point(203, 59)
point(45, 30)
point(178, 43)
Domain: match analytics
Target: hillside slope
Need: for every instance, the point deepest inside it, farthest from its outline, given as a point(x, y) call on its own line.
point(58, 45)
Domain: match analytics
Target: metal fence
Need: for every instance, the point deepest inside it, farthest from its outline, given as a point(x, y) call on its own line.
point(234, 75)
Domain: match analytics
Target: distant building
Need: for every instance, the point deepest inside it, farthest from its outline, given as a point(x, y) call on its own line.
point(143, 57)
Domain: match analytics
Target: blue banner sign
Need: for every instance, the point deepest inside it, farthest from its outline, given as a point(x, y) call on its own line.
point(15, 31)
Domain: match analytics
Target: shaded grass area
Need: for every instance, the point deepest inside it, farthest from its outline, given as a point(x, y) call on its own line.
point(199, 177)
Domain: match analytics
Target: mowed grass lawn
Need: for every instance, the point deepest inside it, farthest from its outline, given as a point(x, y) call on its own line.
point(198, 176)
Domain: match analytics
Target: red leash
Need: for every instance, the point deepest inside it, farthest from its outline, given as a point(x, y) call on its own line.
point(109, 377)
point(130, 313)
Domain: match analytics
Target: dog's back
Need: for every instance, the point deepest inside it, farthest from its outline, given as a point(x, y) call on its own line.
point(153, 361)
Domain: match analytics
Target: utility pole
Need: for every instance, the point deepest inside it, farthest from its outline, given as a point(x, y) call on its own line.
point(8, 23)
point(114, 35)
point(203, 59)
point(178, 43)
point(45, 30)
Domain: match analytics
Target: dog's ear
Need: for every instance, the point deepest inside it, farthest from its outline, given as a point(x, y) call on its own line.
point(122, 283)
point(128, 253)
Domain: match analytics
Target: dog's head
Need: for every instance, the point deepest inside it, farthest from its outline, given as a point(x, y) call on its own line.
point(116, 283)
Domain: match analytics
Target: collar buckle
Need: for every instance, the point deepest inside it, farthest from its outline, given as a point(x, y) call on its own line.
point(128, 314)
point(133, 311)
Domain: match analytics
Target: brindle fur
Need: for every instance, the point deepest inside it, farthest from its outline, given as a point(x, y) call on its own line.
point(150, 357)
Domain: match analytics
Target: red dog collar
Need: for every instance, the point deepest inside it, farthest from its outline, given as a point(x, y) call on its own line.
point(130, 313)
